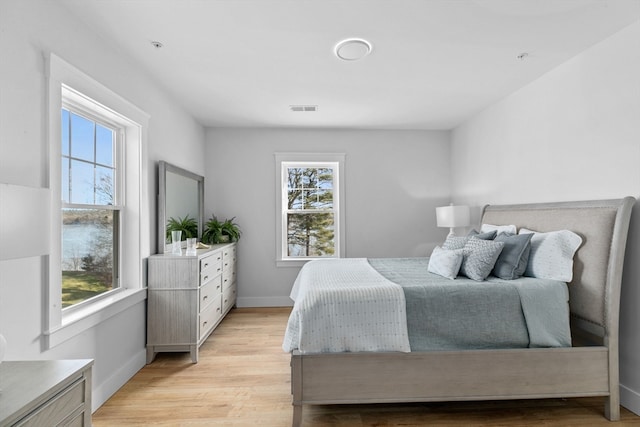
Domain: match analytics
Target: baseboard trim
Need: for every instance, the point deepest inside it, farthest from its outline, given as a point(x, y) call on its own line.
point(104, 391)
point(630, 399)
point(264, 302)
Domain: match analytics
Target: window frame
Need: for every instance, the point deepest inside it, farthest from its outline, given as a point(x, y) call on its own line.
point(283, 161)
point(100, 115)
point(68, 84)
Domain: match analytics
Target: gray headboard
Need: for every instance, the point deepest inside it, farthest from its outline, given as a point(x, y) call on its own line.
point(597, 272)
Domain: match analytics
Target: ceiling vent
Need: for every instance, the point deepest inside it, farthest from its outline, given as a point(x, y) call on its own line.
point(303, 107)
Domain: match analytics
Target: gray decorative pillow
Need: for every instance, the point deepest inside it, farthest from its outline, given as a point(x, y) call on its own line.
point(514, 257)
point(479, 258)
point(445, 263)
point(488, 235)
point(454, 242)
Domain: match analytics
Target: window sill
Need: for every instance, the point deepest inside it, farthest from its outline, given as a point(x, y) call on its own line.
point(80, 320)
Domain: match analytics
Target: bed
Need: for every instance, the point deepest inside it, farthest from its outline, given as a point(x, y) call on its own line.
point(588, 366)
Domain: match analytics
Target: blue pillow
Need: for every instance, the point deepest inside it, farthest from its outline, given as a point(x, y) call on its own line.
point(514, 257)
point(487, 235)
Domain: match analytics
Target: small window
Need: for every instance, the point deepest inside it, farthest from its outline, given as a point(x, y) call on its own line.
point(310, 214)
point(90, 206)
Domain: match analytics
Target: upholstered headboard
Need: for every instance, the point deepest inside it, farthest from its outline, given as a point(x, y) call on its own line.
point(594, 291)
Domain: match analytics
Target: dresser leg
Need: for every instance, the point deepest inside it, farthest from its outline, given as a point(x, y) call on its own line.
point(297, 416)
point(151, 354)
point(194, 353)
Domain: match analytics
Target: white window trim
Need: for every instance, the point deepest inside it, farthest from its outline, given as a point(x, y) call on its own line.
point(135, 234)
point(340, 242)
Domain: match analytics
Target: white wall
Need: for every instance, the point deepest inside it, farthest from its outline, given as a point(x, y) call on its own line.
point(573, 134)
point(394, 181)
point(29, 31)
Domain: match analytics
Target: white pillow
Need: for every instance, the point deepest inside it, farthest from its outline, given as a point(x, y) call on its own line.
point(499, 228)
point(551, 255)
point(445, 263)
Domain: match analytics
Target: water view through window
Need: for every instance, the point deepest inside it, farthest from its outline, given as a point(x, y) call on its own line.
point(89, 212)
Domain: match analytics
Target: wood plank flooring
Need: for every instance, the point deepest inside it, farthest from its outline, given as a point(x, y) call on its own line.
point(243, 379)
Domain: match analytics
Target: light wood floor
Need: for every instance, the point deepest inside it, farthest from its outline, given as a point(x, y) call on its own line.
point(242, 379)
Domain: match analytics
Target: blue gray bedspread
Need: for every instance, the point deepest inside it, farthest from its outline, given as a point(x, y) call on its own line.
point(445, 314)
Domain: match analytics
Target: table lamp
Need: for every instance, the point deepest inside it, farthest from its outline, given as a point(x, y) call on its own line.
point(452, 216)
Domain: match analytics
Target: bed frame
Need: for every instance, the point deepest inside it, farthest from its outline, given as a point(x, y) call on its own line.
point(589, 368)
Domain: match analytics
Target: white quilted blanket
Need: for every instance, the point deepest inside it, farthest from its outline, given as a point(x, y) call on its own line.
point(335, 301)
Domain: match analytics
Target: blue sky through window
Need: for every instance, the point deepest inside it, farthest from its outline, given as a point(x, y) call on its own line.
point(87, 160)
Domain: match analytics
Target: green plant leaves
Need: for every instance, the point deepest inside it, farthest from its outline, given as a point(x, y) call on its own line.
point(216, 231)
point(188, 226)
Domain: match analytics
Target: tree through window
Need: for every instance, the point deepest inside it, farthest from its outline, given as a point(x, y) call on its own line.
point(90, 212)
point(310, 207)
point(310, 213)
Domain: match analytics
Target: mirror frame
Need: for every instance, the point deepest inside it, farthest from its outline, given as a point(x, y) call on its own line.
point(163, 169)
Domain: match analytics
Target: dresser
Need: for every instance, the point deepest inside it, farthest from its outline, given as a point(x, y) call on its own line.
point(45, 393)
point(188, 296)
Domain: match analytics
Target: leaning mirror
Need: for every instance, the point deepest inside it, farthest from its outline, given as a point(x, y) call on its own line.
point(180, 200)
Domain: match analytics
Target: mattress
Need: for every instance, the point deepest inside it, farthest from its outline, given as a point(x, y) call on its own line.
point(395, 304)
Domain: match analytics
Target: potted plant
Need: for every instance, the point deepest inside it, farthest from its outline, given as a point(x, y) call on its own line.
point(231, 229)
point(188, 226)
point(216, 231)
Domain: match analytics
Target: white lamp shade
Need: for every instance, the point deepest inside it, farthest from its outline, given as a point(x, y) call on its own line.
point(453, 216)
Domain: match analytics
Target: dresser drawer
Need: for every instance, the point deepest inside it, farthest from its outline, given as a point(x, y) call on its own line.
point(229, 263)
point(210, 315)
point(229, 258)
point(210, 267)
point(58, 409)
point(228, 298)
point(209, 260)
point(228, 279)
point(210, 291)
point(229, 253)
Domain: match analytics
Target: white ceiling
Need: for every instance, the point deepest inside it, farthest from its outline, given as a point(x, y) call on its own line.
point(434, 63)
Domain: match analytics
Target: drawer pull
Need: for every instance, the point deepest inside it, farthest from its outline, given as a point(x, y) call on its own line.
point(205, 278)
point(204, 323)
point(206, 264)
point(218, 287)
point(219, 269)
point(205, 297)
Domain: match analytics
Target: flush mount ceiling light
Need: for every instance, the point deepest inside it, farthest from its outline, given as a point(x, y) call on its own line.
point(157, 44)
point(352, 49)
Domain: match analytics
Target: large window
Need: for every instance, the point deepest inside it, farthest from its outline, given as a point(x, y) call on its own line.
point(90, 204)
point(310, 208)
point(99, 223)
